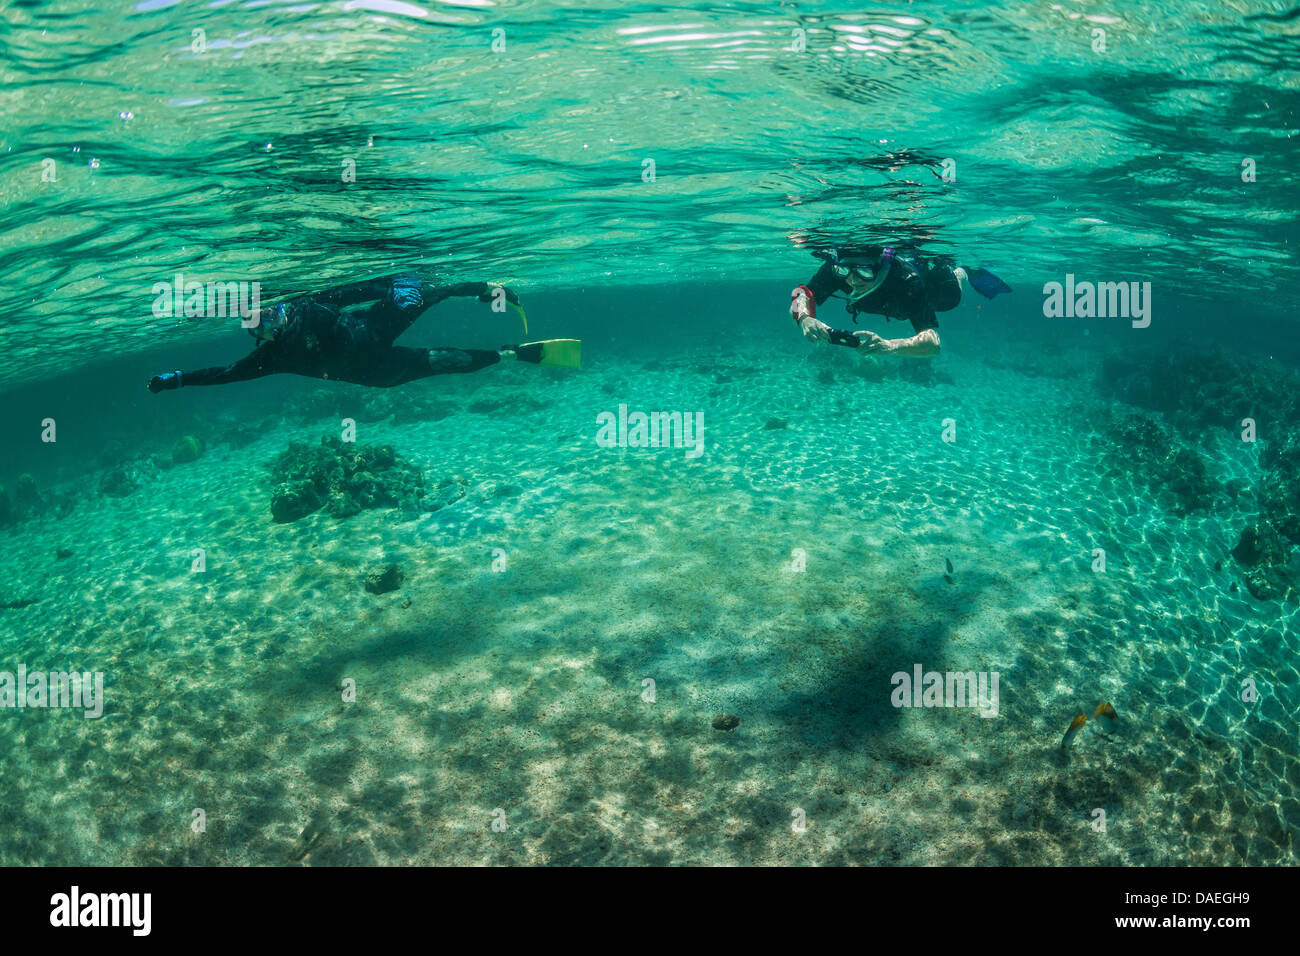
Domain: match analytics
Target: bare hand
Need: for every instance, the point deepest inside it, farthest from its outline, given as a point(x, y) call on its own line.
point(814, 330)
point(871, 342)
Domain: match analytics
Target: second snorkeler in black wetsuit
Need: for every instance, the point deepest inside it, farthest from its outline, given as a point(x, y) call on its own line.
point(889, 282)
point(313, 335)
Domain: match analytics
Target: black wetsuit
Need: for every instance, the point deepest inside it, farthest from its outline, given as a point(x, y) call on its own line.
point(320, 340)
point(902, 295)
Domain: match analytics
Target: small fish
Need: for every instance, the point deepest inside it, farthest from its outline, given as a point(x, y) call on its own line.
point(1075, 726)
point(309, 837)
point(1218, 565)
point(1105, 718)
point(948, 564)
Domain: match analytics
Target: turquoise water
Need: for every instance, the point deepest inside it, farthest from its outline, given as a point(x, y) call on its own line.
point(848, 517)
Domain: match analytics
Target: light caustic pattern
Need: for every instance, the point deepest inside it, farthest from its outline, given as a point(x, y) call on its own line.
point(273, 141)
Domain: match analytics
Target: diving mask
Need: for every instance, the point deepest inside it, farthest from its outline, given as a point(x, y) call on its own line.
point(270, 324)
point(860, 271)
point(864, 275)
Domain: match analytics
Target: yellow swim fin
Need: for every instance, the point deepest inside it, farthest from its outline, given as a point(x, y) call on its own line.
point(522, 314)
point(560, 353)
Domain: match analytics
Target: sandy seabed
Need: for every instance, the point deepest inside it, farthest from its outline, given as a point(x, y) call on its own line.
point(520, 696)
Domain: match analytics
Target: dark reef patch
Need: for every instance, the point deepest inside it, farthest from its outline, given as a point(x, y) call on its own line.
point(344, 479)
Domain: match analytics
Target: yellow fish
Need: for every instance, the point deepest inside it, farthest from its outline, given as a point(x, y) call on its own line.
point(1105, 718)
point(1075, 726)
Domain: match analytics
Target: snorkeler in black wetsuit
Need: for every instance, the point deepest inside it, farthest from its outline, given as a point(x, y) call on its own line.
point(892, 283)
point(312, 335)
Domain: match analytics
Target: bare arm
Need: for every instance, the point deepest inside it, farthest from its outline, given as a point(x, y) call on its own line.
point(925, 342)
point(803, 309)
point(805, 299)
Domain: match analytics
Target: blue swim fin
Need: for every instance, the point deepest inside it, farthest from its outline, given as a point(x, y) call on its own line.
point(986, 283)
